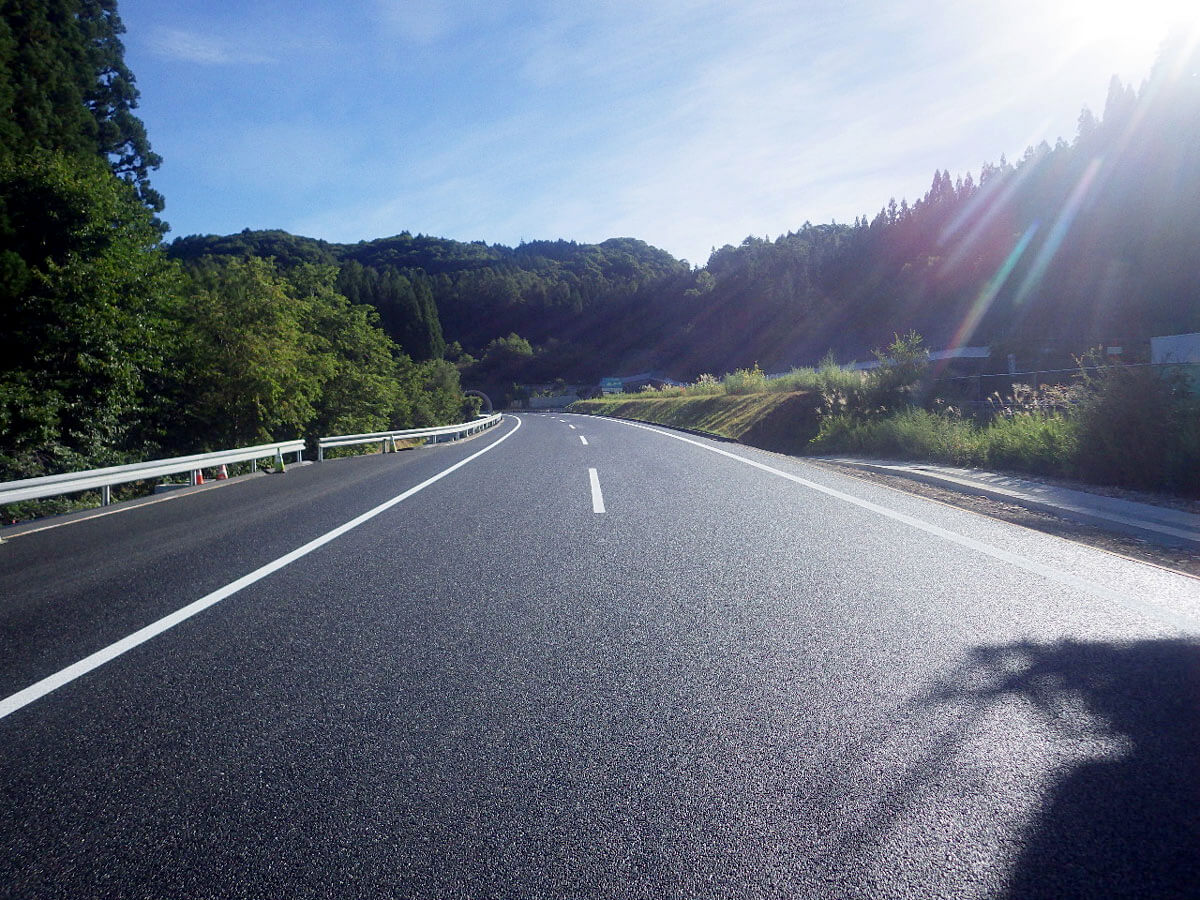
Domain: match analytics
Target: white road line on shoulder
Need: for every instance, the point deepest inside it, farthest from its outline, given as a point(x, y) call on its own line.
point(597, 497)
point(41, 688)
point(1014, 559)
point(583, 440)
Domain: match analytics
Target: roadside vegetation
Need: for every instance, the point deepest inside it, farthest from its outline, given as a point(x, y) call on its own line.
point(112, 352)
point(1129, 426)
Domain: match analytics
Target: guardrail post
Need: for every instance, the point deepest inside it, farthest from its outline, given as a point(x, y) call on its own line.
point(105, 495)
point(320, 453)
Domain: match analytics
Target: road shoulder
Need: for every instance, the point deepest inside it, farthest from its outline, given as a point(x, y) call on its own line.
point(1042, 517)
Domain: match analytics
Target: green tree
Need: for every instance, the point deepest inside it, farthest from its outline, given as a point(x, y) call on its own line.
point(249, 371)
point(43, 75)
point(111, 97)
point(360, 388)
point(437, 397)
point(64, 86)
point(268, 353)
point(83, 289)
point(406, 307)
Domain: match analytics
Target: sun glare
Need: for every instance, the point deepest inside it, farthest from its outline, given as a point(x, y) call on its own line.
point(1129, 28)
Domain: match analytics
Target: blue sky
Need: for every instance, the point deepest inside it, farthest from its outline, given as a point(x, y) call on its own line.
point(687, 124)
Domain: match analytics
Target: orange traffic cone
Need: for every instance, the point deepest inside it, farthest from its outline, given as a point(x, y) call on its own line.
point(199, 476)
point(222, 473)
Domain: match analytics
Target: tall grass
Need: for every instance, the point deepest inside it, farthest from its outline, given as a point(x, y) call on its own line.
point(1029, 442)
point(745, 381)
point(1128, 426)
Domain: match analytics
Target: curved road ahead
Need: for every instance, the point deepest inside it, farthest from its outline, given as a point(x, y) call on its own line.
point(596, 659)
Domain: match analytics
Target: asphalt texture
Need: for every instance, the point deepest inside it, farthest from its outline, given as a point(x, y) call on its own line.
point(731, 683)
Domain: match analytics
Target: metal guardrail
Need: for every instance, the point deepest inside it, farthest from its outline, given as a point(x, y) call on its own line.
point(104, 479)
point(384, 438)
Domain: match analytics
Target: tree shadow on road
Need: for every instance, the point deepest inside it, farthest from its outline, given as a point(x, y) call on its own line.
point(1127, 826)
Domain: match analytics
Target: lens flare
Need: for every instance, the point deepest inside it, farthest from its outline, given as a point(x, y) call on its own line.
point(1058, 232)
point(988, 295)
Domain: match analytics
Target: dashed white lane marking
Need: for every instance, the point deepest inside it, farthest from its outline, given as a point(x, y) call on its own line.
point(572, 427)
point(583, 440)
point(40, 689)
point(597, 497)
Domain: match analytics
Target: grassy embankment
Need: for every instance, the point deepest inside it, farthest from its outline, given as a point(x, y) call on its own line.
point(1129, 427)
point(775, 421)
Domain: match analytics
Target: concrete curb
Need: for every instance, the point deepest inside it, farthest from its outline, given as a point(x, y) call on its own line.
point(1177, 532)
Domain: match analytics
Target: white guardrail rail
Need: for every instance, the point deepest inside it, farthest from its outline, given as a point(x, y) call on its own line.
point(104, 479)
point(384, 438)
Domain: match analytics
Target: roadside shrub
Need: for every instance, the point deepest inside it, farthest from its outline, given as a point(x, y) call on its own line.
point(670, 390)
point(898, 382)
point(745, 381)
point(899, 379)
point(1138, 428)
point(704, 385)
point(1031, 442)
point(909, 434)
point(842, 390)
point(805, 379)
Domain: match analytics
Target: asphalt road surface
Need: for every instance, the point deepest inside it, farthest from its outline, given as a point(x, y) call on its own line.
point(596, 659)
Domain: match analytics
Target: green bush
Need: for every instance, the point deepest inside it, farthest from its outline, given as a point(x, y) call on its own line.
point(899, 379)
point(1129, 426)
point(745, 381)
point(1031, 442)
point(806, 379)
point(703, 386)
point(1138, 428)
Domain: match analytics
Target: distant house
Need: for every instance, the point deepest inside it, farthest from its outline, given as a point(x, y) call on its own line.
point(1175, 348)
point(1179, 349)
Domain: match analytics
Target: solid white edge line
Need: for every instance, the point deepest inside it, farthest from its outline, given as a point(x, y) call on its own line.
point(597, 497)
point(1029, 565)
point(41, 688)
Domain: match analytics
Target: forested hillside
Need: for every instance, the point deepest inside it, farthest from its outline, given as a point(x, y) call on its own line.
point(569, 299)
point(1085, 242)
point(110, 351)
point(1080, 243)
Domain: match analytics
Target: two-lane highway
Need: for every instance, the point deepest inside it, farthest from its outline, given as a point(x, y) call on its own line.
point(582, 657)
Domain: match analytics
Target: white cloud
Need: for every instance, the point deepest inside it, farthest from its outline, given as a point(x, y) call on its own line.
point(426, 22)
point(187, 46)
